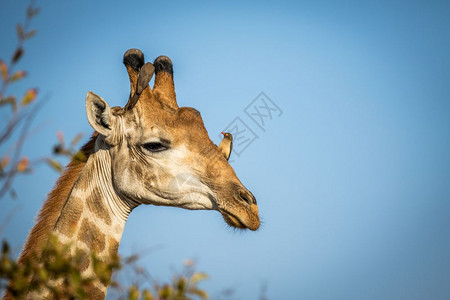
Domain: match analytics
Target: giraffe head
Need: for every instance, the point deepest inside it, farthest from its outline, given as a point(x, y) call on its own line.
point(161, 154)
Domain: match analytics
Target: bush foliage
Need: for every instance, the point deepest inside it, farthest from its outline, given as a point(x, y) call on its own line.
point(58, 264)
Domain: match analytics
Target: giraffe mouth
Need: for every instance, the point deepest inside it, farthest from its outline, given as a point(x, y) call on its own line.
point(234, 221)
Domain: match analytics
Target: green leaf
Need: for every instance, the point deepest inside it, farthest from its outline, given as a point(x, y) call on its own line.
point(147, 295)
point(54, 164)
point(43, 274)
point(133, 293)
point(181, 285)
point(196, 291)
point(165, 292)
point(197, 277)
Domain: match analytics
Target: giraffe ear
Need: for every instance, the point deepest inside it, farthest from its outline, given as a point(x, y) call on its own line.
point(99, 114)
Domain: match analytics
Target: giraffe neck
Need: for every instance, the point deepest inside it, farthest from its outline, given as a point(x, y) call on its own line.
point(93, 200)
point(94, 216)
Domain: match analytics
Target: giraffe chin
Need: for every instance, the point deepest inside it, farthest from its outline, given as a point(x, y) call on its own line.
point(251, 222)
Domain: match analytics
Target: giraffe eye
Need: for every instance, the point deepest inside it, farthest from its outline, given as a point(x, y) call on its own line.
point(155, 147)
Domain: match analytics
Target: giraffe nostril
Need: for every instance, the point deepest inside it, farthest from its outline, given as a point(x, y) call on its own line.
point(247, 197)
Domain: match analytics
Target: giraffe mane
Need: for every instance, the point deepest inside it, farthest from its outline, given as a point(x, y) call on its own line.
point(51, 210)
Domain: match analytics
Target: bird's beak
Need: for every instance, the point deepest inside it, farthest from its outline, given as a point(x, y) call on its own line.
point(222, 132)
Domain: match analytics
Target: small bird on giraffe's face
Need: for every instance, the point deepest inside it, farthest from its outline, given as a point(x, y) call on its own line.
point(226, 145)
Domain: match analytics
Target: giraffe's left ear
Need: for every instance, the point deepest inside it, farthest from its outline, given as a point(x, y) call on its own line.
point(99, 114)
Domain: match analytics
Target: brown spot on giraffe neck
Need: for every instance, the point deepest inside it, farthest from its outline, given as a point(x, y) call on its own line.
point(84, 259)
point(94, 292)
point(92, 236)
point(96, 205)
point(113, 247)
point(71, 215)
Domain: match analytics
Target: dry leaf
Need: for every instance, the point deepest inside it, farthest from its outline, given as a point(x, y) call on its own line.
point(32, 12)
point(30, 34)
point(17, 55)
point(76, 139)
point(17, 76)
point(23, 164)
point(4, 162)
point(60, 137)
point(10, 100)
point(4, 70)
point(20, 32)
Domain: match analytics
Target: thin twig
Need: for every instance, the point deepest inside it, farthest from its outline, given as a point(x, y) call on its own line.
point(8, 217)
point(10, 126)
point(24, 132)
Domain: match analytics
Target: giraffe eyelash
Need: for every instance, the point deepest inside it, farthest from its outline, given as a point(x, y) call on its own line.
point(155, 147)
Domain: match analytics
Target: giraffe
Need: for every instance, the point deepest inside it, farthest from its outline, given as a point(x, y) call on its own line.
point(137, 155)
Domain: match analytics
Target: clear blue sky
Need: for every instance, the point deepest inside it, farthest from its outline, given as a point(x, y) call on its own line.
point(352, 180)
